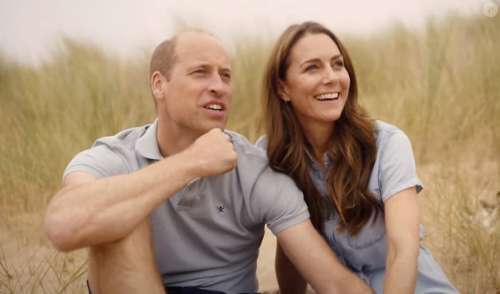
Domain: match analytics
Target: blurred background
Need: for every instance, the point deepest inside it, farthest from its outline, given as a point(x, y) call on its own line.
point(73, 71)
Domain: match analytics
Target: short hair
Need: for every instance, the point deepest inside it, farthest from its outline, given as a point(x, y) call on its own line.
point(163, 58)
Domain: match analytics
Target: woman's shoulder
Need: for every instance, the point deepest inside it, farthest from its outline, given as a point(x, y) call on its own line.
point(387, 132)
point(383, 128)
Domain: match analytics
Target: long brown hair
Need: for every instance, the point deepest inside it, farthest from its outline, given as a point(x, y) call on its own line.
point(353, 152)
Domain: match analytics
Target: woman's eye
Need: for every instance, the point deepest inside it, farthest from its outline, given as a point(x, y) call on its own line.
point(311, 67)
point(339, 63)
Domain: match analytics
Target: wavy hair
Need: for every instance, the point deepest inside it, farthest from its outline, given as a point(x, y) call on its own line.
point(353, 151)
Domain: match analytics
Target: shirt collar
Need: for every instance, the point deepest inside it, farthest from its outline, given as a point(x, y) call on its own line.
point(315, 165)
point(147, 144)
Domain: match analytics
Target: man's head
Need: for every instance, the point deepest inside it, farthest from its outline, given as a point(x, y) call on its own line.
point(163, 57)
point(191, 83)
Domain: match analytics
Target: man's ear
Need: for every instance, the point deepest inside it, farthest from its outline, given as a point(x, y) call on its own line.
point(157, 84)
point(283, 92)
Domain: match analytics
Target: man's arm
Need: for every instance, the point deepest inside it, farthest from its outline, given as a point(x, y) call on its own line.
point(289, 279)
point(401, 221)
point(89, 211)
point(317, 263)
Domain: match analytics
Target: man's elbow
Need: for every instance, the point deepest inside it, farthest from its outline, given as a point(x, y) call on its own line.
point(59, 232)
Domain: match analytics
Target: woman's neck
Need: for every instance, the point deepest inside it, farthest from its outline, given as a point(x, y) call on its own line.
point(319, 137)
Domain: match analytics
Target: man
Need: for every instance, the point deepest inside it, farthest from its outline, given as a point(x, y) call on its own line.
point(181, 203)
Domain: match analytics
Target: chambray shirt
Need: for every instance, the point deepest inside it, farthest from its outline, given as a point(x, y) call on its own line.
point(365, 254)
point(394, 170)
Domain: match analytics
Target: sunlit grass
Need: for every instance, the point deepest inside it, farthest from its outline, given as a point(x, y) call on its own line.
point(439, 84)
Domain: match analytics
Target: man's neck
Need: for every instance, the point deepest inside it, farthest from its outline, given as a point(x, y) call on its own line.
point(171, 139)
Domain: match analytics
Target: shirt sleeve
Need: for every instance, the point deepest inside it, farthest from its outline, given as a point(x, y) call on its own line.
point(99, 161)
point(397, 166)
point(278, 202)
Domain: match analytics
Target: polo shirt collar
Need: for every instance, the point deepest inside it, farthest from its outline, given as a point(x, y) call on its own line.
point(147, 144)
point(327, 160)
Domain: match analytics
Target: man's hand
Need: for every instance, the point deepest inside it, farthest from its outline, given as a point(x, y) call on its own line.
point(88, 211)
point(212, 153)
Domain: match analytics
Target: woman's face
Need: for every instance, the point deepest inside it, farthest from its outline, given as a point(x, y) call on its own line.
point(317, 83)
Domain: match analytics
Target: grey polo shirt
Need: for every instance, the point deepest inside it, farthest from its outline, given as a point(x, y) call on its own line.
point(208, 234)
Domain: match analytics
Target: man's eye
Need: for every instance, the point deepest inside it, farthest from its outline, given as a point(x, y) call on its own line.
point(226, 76)
point(199, 72)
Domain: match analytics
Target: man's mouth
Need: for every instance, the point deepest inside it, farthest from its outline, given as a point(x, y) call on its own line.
point(327, 96)
point(215, 107)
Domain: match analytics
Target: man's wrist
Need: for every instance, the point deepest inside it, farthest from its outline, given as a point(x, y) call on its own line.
point(188, 167)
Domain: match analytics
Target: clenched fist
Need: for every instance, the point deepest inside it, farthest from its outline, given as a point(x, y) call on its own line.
point(212, 153)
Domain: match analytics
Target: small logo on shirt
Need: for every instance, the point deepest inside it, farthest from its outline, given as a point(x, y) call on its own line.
point(220, 208)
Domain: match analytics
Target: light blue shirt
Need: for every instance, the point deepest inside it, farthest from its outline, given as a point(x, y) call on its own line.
point(365, 254)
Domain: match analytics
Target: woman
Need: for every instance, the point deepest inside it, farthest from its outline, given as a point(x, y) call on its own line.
point(358, 175)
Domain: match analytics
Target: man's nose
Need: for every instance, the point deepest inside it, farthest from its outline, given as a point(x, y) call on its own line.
point(218, 87)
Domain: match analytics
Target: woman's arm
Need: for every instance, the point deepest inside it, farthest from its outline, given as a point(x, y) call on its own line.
point(402, 227)
point(289, 279)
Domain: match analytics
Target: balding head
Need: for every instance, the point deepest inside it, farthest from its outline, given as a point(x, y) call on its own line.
point(164, 56)
point(196, 96)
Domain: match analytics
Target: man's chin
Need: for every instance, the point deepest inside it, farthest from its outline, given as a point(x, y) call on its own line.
point(214, 126)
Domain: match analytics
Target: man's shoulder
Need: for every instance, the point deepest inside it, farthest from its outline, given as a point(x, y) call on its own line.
point(253, 166)
point(123, 140)
point(108, 156)
point(247, 150)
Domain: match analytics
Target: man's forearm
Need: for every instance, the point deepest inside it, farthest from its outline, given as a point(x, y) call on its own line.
point(89, 212)
point(289, 279)
point(108, 209)
point(317, 263)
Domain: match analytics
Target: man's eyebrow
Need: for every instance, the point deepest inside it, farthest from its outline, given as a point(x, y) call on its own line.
point(206, 66)
point(198, 66)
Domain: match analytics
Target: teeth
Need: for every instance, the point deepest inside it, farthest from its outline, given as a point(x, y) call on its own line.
point(214, 107)
point(328, 96)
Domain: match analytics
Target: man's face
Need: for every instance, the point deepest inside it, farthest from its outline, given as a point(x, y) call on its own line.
point(197, 95)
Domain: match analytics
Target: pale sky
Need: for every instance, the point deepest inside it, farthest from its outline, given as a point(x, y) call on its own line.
point(31, 29)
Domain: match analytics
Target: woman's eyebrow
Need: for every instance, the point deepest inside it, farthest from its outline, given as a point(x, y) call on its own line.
point(315, 59)
point(312, 60)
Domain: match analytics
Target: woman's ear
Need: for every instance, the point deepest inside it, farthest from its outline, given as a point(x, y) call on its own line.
point(283, 92)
